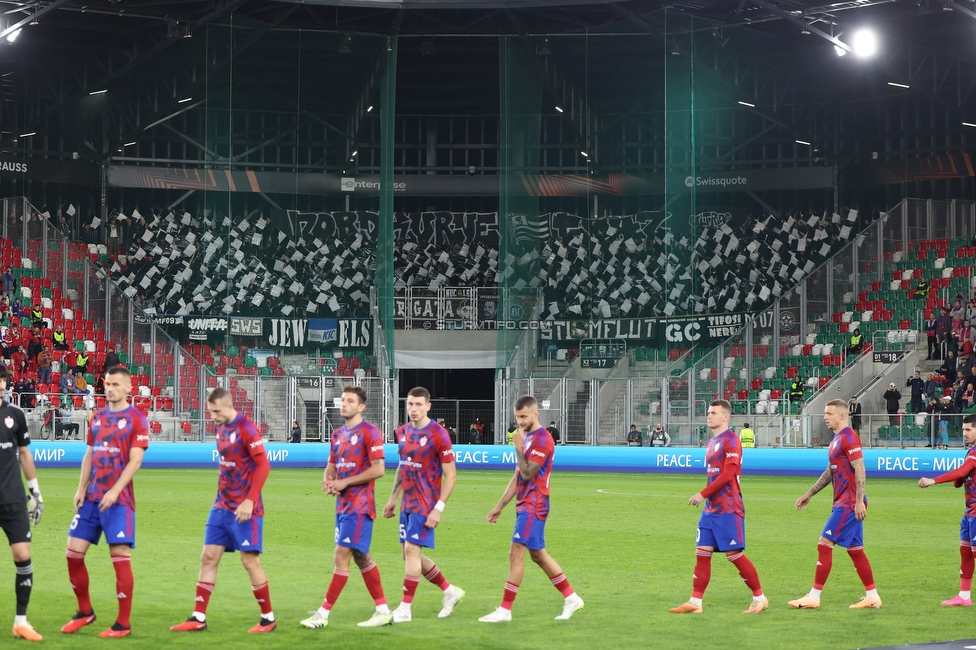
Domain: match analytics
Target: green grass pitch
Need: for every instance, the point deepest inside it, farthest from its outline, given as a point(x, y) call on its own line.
point(626, 542)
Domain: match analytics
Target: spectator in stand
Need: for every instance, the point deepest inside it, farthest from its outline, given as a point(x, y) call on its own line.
point(111, 359)
point(854, 411)
point(296, 432)
point(59, 338)
point(948, 368)
point(19, 360)
point(971, 311)
point(634, 437)
point(892, 400)
point(8, 285)
point(969, 399)
point(917, 384)
point(35, 343)
point(37, 316)
point(68, 360)
point(67, 383)
point(943, 330)
point(7, 341)
point(931, 326)
point(554, 432)
point(81, 362)
point(964, 338)
point(44, 366)
point(27, 390)
point(957, 309)
point(930, 385)
point(857, 342)
point(100, 384)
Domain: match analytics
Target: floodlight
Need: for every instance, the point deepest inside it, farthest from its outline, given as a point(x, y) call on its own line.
point(12, 36)
point(865, 43)
point(747, 104)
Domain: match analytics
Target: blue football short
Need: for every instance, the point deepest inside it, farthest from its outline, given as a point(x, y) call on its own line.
point(118, 523)
point(967, 530)
point(843, 528)
point(413, 530)
point(354, 531)
point(224, 530)
point(722, 532)
point(530, 531)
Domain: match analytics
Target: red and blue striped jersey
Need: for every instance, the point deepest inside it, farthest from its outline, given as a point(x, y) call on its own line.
point(844, 448)
point(971, 484)
point(533, 494)
point(111, 436)
point(353, 451)
point(724, 452)
point(422, 451)
point(239, 444)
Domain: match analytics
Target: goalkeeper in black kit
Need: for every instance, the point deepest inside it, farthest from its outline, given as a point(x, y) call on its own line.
point(17, 509)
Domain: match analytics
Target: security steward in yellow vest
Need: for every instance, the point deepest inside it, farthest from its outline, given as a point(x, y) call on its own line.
point(60, 339)
point(857, 342)
point(922, 289)
point(747, 436)
point(796, 389)
point(82, 362)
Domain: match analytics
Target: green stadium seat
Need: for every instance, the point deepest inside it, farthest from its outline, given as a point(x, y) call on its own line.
point(233, 351)
point(123, 357)
point(250, 362)
point(883, 432)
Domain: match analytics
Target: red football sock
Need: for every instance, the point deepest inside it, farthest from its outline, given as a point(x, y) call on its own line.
point(825, 559)
point(263, 595)
point(410, 588)
point(511, 591)
point(435, 577)
point(123, 587)
point(703, 573)
point(862, 566)
point(966, 565)
point(747, 570)
point(78, 575)
point(562, 584)
point(371, 576)
point(339, 579)
point(204, 589)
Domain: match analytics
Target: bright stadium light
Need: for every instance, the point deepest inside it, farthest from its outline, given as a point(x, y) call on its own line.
point(12, 36)
point(747, 104)
point(99, 92)
point(558, 108)
point(865, 43)
point(803, 142)
point(27, 135)
point(840, 51)
point(898, 85)
point(970, 124)
point(184, 100)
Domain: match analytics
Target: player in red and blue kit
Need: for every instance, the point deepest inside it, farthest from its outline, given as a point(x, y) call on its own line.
point(236, 521)
point(355, 462)
point(534, 451)
point(426, 457)
point(845, 526)
point(964, 475)
point(105, 502)
point(722, 524)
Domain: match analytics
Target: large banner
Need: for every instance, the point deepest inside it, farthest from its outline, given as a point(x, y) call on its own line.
point(880, 463)
point(680, 331)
